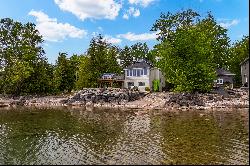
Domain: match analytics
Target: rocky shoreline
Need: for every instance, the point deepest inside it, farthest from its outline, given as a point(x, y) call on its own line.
point(128, 99)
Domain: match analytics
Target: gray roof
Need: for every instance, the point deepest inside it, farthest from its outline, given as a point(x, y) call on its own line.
point(142, 64)
point(224, 72)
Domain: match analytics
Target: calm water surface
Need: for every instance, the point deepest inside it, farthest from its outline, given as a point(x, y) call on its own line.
point(73, 136)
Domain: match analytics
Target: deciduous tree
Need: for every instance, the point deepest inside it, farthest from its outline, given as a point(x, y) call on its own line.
point(239, 52)
point(191, 49)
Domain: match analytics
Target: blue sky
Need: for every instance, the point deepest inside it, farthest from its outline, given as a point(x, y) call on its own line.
point(69, 25)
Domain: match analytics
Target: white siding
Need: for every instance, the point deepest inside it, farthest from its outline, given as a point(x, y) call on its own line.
point(136, 80)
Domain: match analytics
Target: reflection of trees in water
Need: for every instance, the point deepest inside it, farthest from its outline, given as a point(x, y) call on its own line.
point(235, 131)
point(101, 126)
point(197, 138)
point(79, 136)
point(45, 136)
point(134, 144)
point(3, 134)
point(137, 145)
point(26, 130)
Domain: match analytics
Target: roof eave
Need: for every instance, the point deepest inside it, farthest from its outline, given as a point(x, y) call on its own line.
point(244, 61)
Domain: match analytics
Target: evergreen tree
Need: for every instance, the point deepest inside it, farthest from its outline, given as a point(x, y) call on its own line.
point(64, 74)
point(101, 58)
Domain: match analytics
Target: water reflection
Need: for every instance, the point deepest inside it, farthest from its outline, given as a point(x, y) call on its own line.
point(80, 136)
point(198, 138)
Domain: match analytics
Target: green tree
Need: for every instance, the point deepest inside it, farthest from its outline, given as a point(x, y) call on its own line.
point(41, 80)
point(84, 74)
point(125, 56)
point(239, 52)
point(139, 51)
point(168, 24)
point(20, 53)
point(188, 54)
point(151, 56)
point(74, 62)
point(101, 58)
point(65, 72)
point(220, 42)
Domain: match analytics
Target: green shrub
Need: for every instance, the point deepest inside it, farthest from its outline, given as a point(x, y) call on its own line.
point(147, 89)
point(156, 85)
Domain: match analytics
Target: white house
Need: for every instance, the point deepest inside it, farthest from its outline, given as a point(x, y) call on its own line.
point(142, 74)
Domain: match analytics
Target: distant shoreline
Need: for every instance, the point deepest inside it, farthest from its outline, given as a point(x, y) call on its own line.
point(124, 99)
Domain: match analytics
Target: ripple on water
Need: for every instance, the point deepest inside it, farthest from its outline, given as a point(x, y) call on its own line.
point(120, 137)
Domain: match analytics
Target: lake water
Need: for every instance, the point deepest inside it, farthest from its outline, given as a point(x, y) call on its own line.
point(74, 136)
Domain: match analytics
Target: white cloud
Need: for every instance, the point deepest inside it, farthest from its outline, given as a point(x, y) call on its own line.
point(108, 38)
point(97, 9)
point(51, 30)
point(131, 12)
point(138, 37)
point(112, 40)
point(143, 3)
point(125, 16)
point(227, 24)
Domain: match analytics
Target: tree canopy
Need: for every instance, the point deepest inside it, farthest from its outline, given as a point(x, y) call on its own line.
point(101, 57)
point(191, 49)
point(239, 52)
point(21, 57)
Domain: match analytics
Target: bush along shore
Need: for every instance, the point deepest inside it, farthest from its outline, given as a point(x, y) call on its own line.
point(128, 99)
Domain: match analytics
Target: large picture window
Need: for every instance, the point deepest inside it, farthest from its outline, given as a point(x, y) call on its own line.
point(130, 72)
point(138, 72)
point(134, 72)
point(145, 71)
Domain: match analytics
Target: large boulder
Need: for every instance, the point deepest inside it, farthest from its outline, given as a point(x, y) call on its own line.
point(104, 96)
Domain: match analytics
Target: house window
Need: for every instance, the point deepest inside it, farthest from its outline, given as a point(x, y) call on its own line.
point(141, 72)
point(130, 72)
point(141, 83)
point(220, 81)
point(138, 72)
point(130, 84)
point(145, 71)
point(134, 72)
point(127, 72)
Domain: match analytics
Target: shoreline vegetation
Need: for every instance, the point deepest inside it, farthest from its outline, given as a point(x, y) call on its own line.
point(191, 47)
point(90, 98)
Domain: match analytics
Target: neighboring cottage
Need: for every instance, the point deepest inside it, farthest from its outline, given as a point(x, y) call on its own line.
point(245, 72)
point(224, 78)
point(141, 74)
